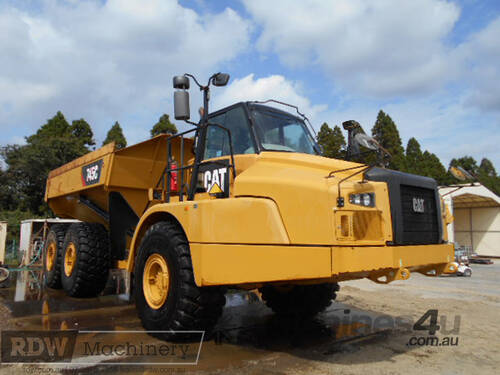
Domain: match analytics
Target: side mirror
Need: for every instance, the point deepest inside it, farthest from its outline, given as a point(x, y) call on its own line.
point(351, 125)
point(461, 174)
point(181, 105)
point(221, 79)
point(181, 82)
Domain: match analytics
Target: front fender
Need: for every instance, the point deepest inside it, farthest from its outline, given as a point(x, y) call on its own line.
point(245, 220)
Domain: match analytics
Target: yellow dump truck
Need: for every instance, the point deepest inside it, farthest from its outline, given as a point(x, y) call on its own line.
point(243, 200)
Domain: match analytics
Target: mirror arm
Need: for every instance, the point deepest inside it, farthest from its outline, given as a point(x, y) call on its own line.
point(194, 79)
point(211, 79)
point(192, 123)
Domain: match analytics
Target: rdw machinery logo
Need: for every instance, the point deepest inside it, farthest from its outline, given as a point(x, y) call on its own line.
point(38, 346)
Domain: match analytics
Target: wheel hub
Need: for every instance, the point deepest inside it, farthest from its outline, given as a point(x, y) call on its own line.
point(70, 259)
point(156, 281)
point(51, 256)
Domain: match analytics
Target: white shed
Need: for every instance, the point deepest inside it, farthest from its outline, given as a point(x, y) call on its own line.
point(476, 211)
point(33, 232)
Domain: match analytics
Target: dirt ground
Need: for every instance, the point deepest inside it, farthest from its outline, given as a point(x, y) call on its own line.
point(368, 330)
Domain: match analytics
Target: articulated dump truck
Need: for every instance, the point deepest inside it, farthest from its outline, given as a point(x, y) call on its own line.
point(244, 200)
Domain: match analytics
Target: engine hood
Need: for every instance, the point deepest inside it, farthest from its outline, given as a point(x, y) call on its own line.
point(305, 191)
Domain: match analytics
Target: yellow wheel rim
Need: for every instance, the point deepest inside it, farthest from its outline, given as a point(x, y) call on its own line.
point(156, 281)
point(70, 259)
point(51, 256)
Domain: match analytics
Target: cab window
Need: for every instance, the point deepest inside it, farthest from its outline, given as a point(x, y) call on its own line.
point(217, 143)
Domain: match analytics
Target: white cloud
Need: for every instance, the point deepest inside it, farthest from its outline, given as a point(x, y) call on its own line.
point(376, 48)
point(446, 127)
point(440, 122)
point(480, 60)
point(272, 87)
point(107, 61)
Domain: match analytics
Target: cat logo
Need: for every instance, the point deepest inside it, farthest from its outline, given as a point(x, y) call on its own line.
point(213, 181)
point(418, 205)
point(216, 178)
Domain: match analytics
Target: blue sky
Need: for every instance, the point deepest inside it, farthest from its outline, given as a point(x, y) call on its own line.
point(433, 65)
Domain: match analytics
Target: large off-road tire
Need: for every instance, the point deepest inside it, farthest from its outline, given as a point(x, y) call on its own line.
point(52, 253)
point(85, 260)
point(166, 296)
point(302, 300)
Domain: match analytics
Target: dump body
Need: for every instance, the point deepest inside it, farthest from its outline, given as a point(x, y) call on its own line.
point(87, 181)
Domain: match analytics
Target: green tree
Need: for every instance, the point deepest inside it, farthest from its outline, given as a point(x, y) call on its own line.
point(386, 133)
point(115, 134)
point(7, 199)
point(486, 168)
point(163, 126)
point(488, 176)
point(55, 127)
point(432, 167)
point(54, 144)
point(82, 130)
point(414, 157)
point(332, 141)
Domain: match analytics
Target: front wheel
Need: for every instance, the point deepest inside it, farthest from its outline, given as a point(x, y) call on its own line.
point(302, 300)
point(166, 296)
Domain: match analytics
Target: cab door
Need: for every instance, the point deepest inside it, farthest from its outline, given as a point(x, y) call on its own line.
point(215, 170)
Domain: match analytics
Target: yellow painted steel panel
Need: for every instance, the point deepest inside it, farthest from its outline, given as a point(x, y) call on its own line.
point(307, 198)
point(130, 171)
point(216, 264)
point(359, 259)
point(237, 220)
point(230, 220)
point(70, 180)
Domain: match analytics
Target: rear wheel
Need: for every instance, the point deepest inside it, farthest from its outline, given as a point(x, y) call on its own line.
point(52, 256)
point(85, 260)
point(304, 300)
point(166, 296)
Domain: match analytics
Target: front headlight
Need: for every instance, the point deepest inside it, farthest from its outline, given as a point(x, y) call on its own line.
point(364, 199)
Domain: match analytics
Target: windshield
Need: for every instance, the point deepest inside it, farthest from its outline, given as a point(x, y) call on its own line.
point(280, 132)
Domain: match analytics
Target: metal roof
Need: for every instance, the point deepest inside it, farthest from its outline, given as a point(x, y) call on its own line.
point(471, 196)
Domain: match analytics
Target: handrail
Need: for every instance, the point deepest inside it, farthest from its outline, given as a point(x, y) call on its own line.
point(167, 172)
